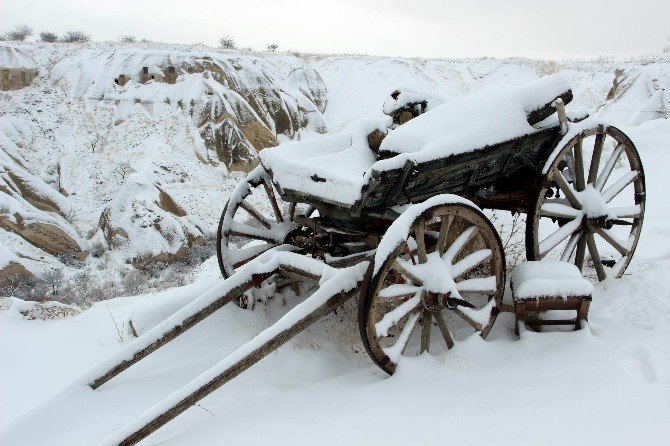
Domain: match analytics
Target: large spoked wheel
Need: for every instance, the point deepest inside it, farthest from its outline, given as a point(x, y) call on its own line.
point(596, 207)
point(443, 282)
point(254, 220)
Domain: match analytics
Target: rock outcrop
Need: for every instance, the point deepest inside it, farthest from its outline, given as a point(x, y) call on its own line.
point(238, 103)
point(28, 206)
point(146, 225)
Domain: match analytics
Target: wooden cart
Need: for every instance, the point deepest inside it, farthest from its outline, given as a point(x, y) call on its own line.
point(558, 173)
point(406, 234)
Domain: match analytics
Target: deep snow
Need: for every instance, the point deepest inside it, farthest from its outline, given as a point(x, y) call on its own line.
point(609, 384)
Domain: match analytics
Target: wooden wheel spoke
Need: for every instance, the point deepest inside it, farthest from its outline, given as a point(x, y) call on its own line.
point(609, 166)
point(483, 285)
point(291, 211)
point(558, 210)
point(403, 269)
point(420, 238)
point(394, 316)
point(619, 185)
point(559, 235)
point(242, 230)
point(474, 324)
point(396, 350)
point(444, 233)
point(627, 211)
point(570, 246)
point(239, 257)
point(569, 193)
point(595, 158)
point(273, 200)
point(425, 330)
point(460, 243)
point(469, 262)
point(446, 334)
point(579, 166)
point(581, 251)
point(398, 291)
point(255, 214)
point(595, 257)
point(613, 240)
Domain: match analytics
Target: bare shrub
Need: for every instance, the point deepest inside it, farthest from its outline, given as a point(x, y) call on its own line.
point(546, 67)
point(123, 170)
point(127, 39)
point(75, 36)
point(227, 42)
point(97, 249)
point(48, 37)
point(18, 34)
point(512, 231)
point(53, 280)
point(200, 252)
point(272, 47)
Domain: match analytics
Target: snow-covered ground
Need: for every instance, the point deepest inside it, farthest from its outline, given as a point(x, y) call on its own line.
point(609, 384)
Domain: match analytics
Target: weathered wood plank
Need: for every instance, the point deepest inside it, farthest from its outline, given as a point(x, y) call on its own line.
point(178, 330)
point(542, 113)
point(235, 369)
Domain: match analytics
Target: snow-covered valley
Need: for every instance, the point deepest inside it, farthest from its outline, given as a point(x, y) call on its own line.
point(107, 160)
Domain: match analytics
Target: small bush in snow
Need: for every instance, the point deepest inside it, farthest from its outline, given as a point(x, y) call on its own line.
point(135, 282)
point(227, 42)
point(54, 280)
point(544, 68)
point(247, 48)
point(128, 39)
point(48, 36)
point(97, 249)
point(18, 34)
point(74, 36)
point(272, 47)
point(200, 252)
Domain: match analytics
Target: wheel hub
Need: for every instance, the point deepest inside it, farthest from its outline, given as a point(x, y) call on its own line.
point(434, 302)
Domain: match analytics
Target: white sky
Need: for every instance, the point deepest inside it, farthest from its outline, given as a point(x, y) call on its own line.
point(422, 28)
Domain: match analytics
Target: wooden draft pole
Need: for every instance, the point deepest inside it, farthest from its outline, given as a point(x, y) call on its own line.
point(178, 329)
point(322, 302)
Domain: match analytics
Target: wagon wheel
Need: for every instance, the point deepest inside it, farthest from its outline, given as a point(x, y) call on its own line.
point(254, 220)
point(442, 283)
point(580, 208)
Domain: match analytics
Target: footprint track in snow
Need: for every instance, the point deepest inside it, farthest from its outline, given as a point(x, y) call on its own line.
point(636, 361)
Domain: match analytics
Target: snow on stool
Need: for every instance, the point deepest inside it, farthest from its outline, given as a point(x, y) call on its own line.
point(550, 285)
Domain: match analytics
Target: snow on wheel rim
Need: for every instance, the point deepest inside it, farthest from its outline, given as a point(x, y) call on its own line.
point(253, 221)
point(590, 204)
point(443, 282)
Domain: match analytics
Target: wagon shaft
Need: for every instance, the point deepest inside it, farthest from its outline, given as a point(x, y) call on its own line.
point(336, 287)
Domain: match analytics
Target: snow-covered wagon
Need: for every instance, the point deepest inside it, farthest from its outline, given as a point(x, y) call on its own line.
point(407, 194)
point(392, 211)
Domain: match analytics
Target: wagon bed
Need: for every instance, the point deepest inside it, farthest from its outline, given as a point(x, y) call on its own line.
point(478, 147)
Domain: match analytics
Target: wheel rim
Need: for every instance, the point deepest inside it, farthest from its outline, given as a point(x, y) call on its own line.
point(402, 314)
point(596, 218)
point(254, 220)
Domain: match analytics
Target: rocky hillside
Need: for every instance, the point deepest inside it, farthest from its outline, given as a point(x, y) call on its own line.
point(113, 162)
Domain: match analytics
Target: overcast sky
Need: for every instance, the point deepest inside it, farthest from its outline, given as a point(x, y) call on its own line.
point(422, 28)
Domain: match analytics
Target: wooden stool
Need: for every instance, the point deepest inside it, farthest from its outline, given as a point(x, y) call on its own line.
point(550, 285)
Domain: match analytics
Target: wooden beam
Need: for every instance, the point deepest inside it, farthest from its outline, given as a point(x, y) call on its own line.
point(141, 430)
point(178, 330)
point(542, 113)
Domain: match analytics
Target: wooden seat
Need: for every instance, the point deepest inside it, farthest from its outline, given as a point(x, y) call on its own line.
point(549, 285)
